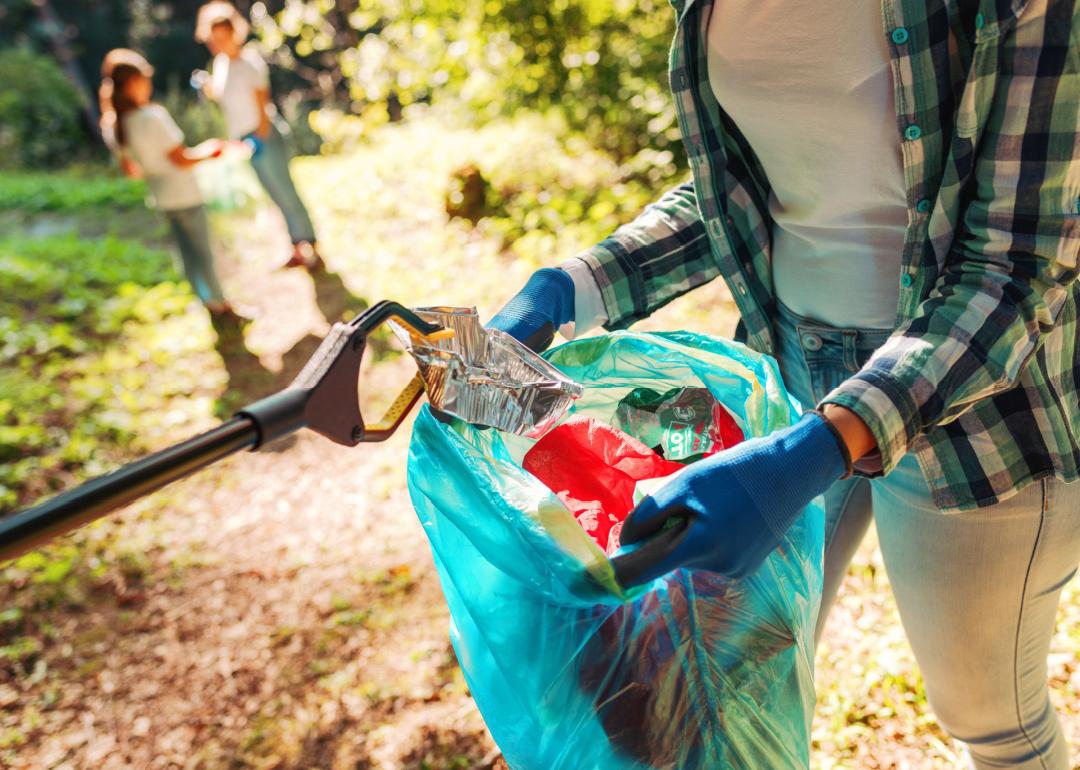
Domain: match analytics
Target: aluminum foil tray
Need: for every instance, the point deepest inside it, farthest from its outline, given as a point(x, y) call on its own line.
point(486, 376)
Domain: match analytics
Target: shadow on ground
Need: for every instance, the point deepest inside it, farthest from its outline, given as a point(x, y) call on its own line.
point(248, 378)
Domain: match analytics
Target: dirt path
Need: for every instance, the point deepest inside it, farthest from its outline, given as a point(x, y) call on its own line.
point(284, 612)
point(307, 630)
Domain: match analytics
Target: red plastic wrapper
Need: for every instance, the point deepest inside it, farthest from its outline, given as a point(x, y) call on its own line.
point(593, 468)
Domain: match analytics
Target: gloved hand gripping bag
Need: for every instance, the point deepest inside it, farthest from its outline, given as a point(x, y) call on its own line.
point(570, 672)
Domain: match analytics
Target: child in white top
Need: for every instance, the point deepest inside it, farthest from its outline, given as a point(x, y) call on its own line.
point(149, 143)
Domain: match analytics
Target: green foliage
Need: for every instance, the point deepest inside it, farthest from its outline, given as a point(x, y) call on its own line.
point(600, 64)
point(568, 195)
point(39, 111)
point(162, 30)
point(67, 191)
point(77, 326)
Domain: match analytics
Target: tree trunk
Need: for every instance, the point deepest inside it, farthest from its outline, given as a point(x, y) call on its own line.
point(53, 28)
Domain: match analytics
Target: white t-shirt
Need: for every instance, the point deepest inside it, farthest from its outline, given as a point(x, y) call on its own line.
point(150, 134)
point(234, 84)
point(809, 86)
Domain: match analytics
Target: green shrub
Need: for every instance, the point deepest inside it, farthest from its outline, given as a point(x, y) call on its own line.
point(599, 64)
point(39, 111)
point(199, 119)
point(68, 191)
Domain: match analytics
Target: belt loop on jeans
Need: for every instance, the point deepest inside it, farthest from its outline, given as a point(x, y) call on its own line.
point(851, 349)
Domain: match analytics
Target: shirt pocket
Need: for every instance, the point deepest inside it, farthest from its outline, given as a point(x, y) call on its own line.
point(987, 25)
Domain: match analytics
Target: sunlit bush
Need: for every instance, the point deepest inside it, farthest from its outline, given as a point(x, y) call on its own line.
point(600, 64)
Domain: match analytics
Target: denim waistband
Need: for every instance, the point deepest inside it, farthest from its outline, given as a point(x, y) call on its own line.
point(816, 342)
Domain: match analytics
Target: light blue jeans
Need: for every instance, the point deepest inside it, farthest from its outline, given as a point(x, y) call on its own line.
point(977, 591)
point(271, 165)
point(191, 228)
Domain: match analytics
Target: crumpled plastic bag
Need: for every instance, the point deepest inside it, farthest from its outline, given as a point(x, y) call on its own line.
point(593, 469)
point(570, 671)
point(228, 182)
point(684, 424)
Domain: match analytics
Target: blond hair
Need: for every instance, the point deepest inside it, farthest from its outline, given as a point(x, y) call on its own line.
point(220, 12)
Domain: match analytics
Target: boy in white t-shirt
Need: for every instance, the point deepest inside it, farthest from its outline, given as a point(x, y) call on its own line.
point(240, 83)
point(149, 143)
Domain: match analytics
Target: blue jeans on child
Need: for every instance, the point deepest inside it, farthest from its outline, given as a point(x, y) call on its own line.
point(271, 165)
point(977, 591)
point(191, 229)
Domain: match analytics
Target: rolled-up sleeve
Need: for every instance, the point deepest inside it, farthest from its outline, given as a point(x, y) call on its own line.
point(660, 255)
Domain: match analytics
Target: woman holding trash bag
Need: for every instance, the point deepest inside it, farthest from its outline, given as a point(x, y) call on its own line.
point(240, 83)
point(149, 143)
point(897, 216)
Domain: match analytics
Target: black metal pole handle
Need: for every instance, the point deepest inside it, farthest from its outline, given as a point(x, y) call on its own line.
point(629, 567)
point(69, 510)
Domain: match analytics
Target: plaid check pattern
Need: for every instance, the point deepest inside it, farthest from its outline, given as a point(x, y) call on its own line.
point(981, 377)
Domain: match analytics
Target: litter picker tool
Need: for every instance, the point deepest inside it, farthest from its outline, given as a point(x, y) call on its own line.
point(323, 397)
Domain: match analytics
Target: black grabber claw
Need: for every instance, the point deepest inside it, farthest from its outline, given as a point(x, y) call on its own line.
point(323, 397)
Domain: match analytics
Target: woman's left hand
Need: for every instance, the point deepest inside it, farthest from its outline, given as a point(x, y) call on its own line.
point(739, 502)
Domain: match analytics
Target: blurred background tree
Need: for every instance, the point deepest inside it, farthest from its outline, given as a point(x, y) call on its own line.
point(598, 64)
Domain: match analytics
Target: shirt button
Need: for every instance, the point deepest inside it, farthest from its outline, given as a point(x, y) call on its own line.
point(912, 132)
point(900, 35)
point(923, 205)
point(905, 280)
point(811, 341)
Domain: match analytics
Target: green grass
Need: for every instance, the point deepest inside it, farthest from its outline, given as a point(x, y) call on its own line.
point(102, 347)
point(93, 334)
point(67, 191)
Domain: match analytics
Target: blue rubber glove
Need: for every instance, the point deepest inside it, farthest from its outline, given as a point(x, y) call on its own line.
point(739, 502)
point(534, 313)
point(255, 143)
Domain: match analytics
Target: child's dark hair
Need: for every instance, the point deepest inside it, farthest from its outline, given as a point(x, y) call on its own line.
point(119, 66)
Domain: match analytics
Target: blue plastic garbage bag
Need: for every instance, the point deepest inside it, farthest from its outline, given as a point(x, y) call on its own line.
point(692, 671)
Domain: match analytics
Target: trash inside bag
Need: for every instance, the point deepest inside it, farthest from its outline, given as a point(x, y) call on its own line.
point(683, 424)
point(570, 671)
point(593, 469)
